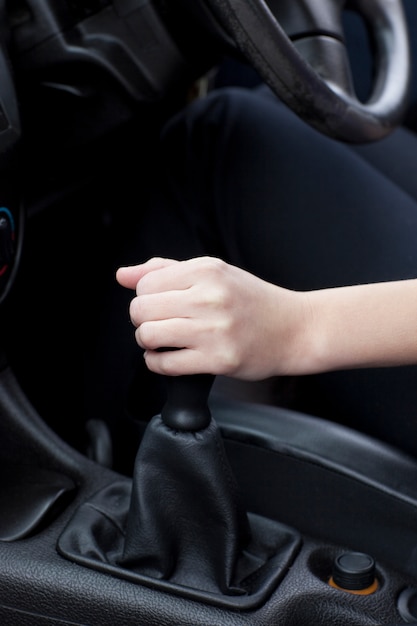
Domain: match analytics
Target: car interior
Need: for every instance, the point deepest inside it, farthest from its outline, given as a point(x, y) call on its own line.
point(132, 500)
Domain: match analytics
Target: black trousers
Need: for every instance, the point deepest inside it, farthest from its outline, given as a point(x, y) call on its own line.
point(243, 178)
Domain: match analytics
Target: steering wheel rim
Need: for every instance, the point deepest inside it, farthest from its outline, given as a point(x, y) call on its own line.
point(320, 92)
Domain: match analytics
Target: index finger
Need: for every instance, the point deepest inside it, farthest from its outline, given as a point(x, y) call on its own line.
point(128, 276)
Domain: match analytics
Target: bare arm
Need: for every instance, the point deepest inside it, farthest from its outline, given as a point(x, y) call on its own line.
point(229, 322)
point(366, 325)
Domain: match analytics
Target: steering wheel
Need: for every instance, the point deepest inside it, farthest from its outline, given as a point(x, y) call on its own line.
point(298, 48)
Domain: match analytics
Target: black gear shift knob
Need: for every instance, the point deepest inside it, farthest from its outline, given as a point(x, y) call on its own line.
point(186, 407)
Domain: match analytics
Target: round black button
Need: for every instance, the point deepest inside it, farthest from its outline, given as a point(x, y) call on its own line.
point(354, 571)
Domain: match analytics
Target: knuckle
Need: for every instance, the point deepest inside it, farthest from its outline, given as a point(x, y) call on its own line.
point(213, 265)
point(134, 312)
point(144, 285)
point(147, 336)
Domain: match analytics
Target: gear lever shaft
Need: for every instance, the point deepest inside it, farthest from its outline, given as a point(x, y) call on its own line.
point(186, 407)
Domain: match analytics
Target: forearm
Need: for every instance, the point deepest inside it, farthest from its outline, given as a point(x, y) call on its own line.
point(364, 326)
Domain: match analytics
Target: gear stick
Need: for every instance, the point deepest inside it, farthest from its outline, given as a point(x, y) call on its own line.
point(185, 521)
point(180, 523)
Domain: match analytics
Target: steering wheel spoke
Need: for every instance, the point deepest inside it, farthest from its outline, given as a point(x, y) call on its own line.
point(328, 57)
point(298, 48)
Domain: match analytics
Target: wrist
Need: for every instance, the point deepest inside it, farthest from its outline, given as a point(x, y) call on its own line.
point(311, 345)
point(300, 342)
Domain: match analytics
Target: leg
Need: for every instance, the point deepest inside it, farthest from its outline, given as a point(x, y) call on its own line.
point(248, 181)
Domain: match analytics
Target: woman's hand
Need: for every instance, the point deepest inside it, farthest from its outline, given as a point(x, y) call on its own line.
point(222, 319)
point(226, 321)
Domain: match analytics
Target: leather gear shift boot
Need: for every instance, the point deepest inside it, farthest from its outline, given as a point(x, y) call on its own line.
point(179, 524)
point(185, 522)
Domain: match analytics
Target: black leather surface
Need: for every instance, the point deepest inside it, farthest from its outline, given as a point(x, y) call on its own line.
point(28, 501)
point(181, 526)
